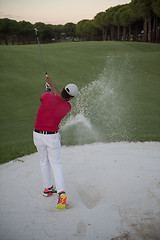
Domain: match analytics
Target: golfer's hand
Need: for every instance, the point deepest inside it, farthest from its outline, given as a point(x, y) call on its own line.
point(48, 79)
point(55, 90)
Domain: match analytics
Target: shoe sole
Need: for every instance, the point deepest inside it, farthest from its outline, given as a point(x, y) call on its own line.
point(62, 204)
point(47, 194)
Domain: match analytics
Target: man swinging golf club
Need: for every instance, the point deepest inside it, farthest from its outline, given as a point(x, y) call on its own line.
point(52, 110)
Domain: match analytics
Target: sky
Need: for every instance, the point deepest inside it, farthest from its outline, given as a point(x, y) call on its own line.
point(55, 11)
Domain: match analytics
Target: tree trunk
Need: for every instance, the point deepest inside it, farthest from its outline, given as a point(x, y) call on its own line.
point(106, 30)
point(130, 32)
point(145, 30)
point(136, 33)
point(12, 40)
point(111, 32)
point(154, 29)
point(6, 39)
point(118, 33)
point(124, 33)
point(149, 28)
point(158, 30)
point(103, 34)
point(1, 40)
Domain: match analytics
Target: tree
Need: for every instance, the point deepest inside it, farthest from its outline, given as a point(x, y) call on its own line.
point(13, 31)
point(25, 32)
point(5, 30)
point(48, 33)
point(135, 22)
point(112, 21)
point(144, 11)
point(58, 31)
point(124, 19)
point(41, 28)
point(70, 30)
point(119, 21)
point(90, 30)
point(156, 21)
point(149, 12)
point(80, 29)
point(100, 23)
point(127, 20)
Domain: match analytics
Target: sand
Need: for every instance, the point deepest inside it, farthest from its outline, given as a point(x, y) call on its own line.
point(113, 193)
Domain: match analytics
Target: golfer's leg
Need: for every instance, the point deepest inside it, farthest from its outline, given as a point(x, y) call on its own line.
point(54, 155)
point(45, 166)
point(44, 162)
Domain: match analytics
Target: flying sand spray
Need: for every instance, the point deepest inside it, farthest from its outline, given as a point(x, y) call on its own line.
point(103, 110)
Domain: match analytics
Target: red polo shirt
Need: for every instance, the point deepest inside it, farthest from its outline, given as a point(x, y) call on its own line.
point(51, 112)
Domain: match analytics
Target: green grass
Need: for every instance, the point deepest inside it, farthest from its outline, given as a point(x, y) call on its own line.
point(129, 112)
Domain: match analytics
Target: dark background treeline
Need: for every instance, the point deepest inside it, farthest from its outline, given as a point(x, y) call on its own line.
point(136, 21)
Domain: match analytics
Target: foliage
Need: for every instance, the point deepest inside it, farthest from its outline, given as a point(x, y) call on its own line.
point(86, 29)
point(70, 30)
point(143, 7)
point(156, 7)
point(80, 28)
point(139, 18)
point(99, 21)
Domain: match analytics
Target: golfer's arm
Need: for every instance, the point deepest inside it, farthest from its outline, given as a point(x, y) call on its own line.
point(55, 90)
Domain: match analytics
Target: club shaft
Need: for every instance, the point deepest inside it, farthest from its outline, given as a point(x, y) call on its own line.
point(44, 66)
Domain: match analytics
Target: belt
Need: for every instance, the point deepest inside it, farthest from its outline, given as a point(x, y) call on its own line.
point(44, 132)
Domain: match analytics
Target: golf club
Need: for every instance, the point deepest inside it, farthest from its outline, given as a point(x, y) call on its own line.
point(36, 31)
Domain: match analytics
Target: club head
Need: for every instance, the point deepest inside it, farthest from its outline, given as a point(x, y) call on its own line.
point(36, 31)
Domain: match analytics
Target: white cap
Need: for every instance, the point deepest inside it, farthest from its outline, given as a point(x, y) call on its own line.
point(71, 89)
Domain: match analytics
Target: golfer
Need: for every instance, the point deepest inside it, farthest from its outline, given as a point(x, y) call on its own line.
point(46, 137)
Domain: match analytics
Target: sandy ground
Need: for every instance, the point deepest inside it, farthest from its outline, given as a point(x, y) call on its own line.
point(113, 193)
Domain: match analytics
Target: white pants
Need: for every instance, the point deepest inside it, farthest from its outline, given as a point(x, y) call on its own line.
point(49, 149)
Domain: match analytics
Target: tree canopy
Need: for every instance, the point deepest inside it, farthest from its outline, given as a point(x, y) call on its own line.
point(137, 21)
